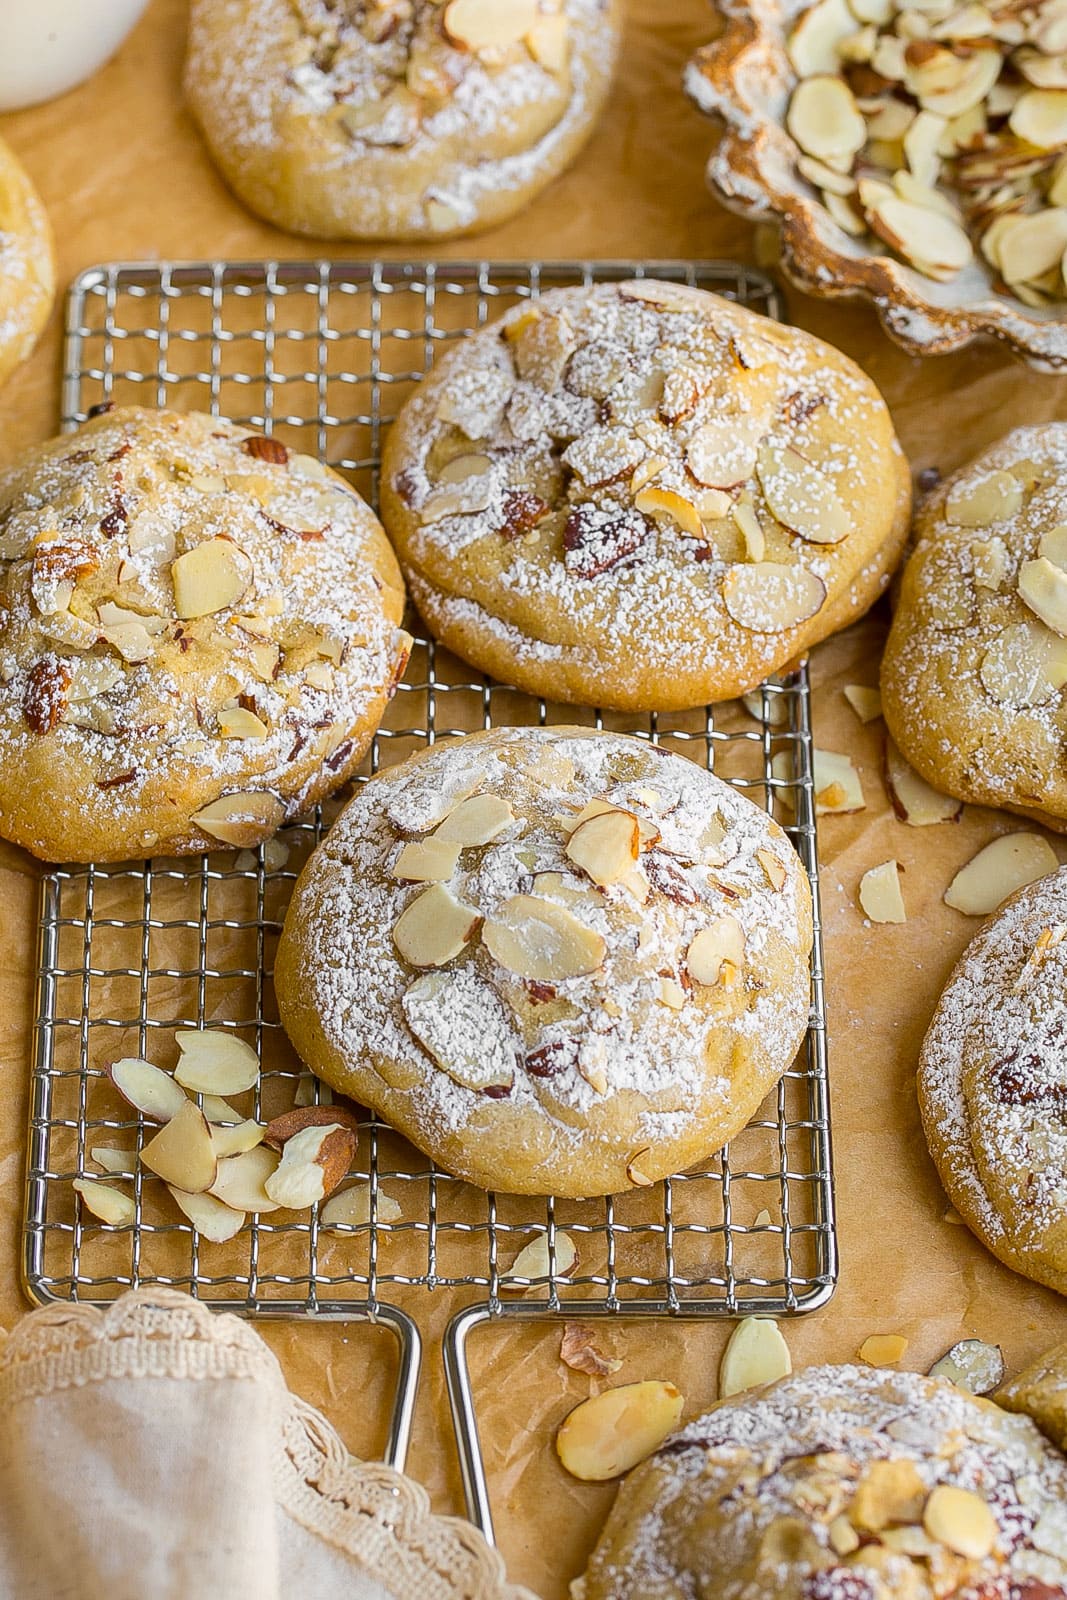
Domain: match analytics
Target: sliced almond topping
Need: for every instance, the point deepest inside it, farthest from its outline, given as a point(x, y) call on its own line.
point(843, 1537)
point(996, 497)
point(771, 596)
point(648, 469)
point(479, 820)
point(547, 42)
point(973, 1365)
point(240, 1179)
point(313, 1163)
point(489, 24)
point(882, 1349)
point(606, 846)
point(111, 1205)
point(755, 1354)
point(751, 531)
point(212, 1219)
point(1026, 665)
point(435, 1007)
point(210, 577)
point(578, 1351)
point(888, 1492)
point(463, 499)
point(721, 944)
point(132, 640)
point(990, 557)
point(237, 723)
point(1043, 587)
point(837, 784)
point(1053, 547)
point(800, 496)
point(351, 1208)
point(533, 1262)
point(823, 118)
point(607, 1435)
point(672, 994)
point(1040, 117)
point(109, 1158)
point(182, 1153)
point(215, 1061)
point(817, 35)
point(148, 1089)
point(236, 1139)
point(433, 927)
point(1047, 940)
point(240, 820)
point(913, 799)
point(776, 873)
point(674, 507)
point(658, 292)
point(865, 702)
point(722, 451)
point(430, 860)
point(635, 1169)
point(460, 468)
point(962, 1520)
point(1008, 863)
point(880, 895)
point(541, 940)
point(542, 349)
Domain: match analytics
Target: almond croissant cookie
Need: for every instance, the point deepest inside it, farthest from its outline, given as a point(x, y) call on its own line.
point(396, 119)
point(993, 1083)
point(559, 961)
point(640, 495)
point(198, 637)
point(973, 674)
point(841, 1483)
point(27, 263)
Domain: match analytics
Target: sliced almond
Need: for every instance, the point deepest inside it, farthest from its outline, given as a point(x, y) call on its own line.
point(235, 722)
point(437, 1008)
point(865, 702)
point(433, 927)
point(837, 784)
point(1053, 547)
point(816, 36)
point(182, 1153)
point(532, 1263)
point(462, 467)
point(578, 1351)
point(313, 1163)
point(635, 1169)
point(996, 497)
point(148, 1089)
point(606, 846)
point(800, 496)
point(926, 238)
point(477, 820)
point(131, 639)
point(973, 1365)
point(880, 895)
point(235, 1140)
point(111, 1159)
point(218, 1110)
point(540, 940)
point(921, 142)
point(648, 469)
point(215, 1061)
point(111, 1205)
point(1040, 117)
point(722, 451)
point(1007, 864)
point(489, 24)
point(882, 1349)
point(823, 118)
point(351, 1208)
point(432, 860)
point(718, 946)
point(210, 577)
point(1029, 246)
point(990, 557)
point(843, 1537)
point(961, 1520)
point(1025, 665)
point(888, 1492)
point(666, 503)
point(281, 1129)
point(775, 871)
point(547, 42)
point(212, 1219)
point(240, 1179)
point(240, 820)
point(751, 530)
point(771, 596)
point(1043, 587)
point(755, 1354)
point(607, 1435)
point(913, 799)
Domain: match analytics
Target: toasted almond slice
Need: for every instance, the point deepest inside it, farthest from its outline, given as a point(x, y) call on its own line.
point(1043, 587)
point(755, 1354)
point(635, 1169)
point(235, 722)
point(771, 596)
point(111, 1205)
point(210, 577)
point(148, 1089)
point(961, 1520)
point(240, 1179)
point(666, 503)
point(542, 349)
point(887, 1492)
point(880, 895)
point(212, 1219)
point(541, 940)
point(432, 860)
point(882, 1349)
point(1053, 546)
point(843, 1537)
point(844, 214)
point(463, 499)
point(532, 1262)
point(996, 497)
point(722, 451)
point(721, 944)
point(825, 178)
point(865, 702)
point(1007, 864)
point(973, 1365)
point(1029, 246)
point(607, 1435)
point(646, 471)
point(658, 292)
point(215, 1061)
point(433, 927)
point(801, 497)
point(235, 1140)
point(132, 640)
point(823, 118)
point(775, 871)
point(1026, 665)
point(816, 35)
point(281, 1129)
point(351, 1208)
point(472, 465)
point(547, 42)
point(1040, 118)
point(913, 799)
point(578, 1351)
point(837, 784)
point(110, 1158)
point(751, 531)
point(991, 562)
point(606, 846)
point(672, 994)
point(313, 1163)
point(477, 820)
point(489, 24)
point(966, 85)
point(921, 235)
point(182, 1153)
point(240, 820)
point(921, 194)
point(921, 142)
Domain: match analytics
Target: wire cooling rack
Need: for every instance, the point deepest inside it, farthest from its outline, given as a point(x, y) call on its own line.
point(324, 354)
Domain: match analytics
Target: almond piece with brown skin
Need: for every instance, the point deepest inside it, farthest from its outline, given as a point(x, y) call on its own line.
point(182, 1153)
point(263, 448)
point(912, 798)
point(280, 1129)
point(606, 846)
point(313, 1163)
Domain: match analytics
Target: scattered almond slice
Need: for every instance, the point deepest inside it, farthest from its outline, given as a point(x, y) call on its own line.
point(755, 1354)
point(240, 1180)
point(1039, 117)
point(605, 846)
point(212, 1219)
point(547, 42)
point(771, 596)
point(112, 1206)
point(721, 452)
point(432, 860)
point(997, 497)
point(313, 1163)
point(823, 118)
point(607, 1435)
point(843, 1537)
point(888, 1492)
point(540, 940)
point(773, 868)
point(182, 1153)
point(882, 1349)
point(210, 577)
point(837, 785)
point(1025, 665)
point(801, 497)
point(667, 503)
point(880, 896)
point(489, 24)
point(351, 1208)
point(214, 1061)
point(148, 1089)
point(235, 722)
point(777, 713)
point(111, 1159)
point(991, 562)
point(1043, 587)
point(578, 1352)
point(235, 1140)
point(482, 1059)
point(751, 530)
point(477, 820)
point(309, 1092)
point(281, 1129)
point(817, 35)
point(433, 927)
point(216, 1109)
point(912, 798)
point(240, 820)
point(532, 1262)
point(716, 950)
point(762, 1219)
point(865, 702)
point(1007, 864)
point(962, 1520)
point(973, 1365)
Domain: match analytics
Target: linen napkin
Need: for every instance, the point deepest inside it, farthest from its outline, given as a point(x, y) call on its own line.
point(152, 1448)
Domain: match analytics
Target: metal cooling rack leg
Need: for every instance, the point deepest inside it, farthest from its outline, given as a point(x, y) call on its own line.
point(407, 1382)
point(464, 1420)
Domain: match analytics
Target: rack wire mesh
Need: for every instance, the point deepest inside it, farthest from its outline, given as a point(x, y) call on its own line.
point(324, 354)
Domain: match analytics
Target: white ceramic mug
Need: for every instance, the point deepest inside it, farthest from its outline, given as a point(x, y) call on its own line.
point(51, 45)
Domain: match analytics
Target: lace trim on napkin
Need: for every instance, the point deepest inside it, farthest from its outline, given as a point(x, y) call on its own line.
point(370, 1511)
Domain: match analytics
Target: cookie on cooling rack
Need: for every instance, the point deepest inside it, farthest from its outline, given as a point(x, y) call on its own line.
point(993, 1085)
point(198, 637)
point(841, 1483)
point(396, 119)
point(976, 663)
point(559, 961)
point(27, 263)
point(640, 495)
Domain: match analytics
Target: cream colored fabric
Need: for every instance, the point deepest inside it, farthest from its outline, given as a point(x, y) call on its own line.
point(152, 1448)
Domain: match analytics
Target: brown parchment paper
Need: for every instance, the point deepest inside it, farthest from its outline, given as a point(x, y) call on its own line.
point(125, 178)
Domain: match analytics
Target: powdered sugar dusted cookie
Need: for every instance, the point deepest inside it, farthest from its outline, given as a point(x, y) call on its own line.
point(396, 119)
point(973, 674)
point(559, 961)
point(841, 1483)
point(27, 263)
point(198, 637)
point(993, 1083)
point(640, 495)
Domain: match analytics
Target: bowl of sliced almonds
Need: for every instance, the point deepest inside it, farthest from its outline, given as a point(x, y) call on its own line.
point(911, 151)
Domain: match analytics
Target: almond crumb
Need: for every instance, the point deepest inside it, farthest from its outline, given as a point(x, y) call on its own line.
point(578, 1352)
